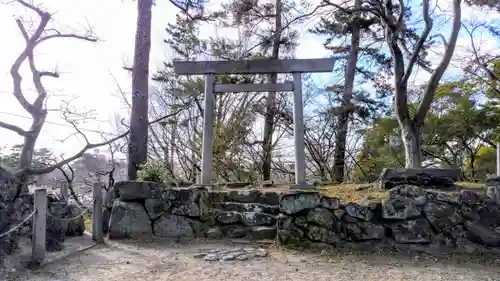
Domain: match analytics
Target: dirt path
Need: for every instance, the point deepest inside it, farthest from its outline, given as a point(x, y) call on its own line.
point(161, 261)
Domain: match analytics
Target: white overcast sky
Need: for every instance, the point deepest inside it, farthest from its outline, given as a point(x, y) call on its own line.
point(87, 68)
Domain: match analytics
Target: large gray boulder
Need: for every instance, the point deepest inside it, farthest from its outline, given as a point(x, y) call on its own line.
point(76, 226)
point(258, 219)
point(361, 231)
point(247, 207)
point(485, 229)
point(57, 226)
point(321, 217)
point(139, 190)
point(442, 216)
point(399, 209)
point(416, 231)
point(358, 212)
point(293, 203)
point(230, 217)
point(156, 207)
point(193, 202)
point(174, 226)
point(129, 220)
point(425, 177)
point(319, 234)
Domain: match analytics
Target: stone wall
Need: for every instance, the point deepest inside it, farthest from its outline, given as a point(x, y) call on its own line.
point(63, 218)
point(139, 209)
point(246, 214)
point(410, 217)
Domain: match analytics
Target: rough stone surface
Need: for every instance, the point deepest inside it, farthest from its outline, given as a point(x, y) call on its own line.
point(129, 220)
point(493, 189)
point(319, 234)
point(234, 231)
point(230, 217)
point(261, 232)
point(76, 226)
point(424, 177)
point(215, 233)
point(63, 218)
point(296, 202)
point(106, 216)
point(248, 207)
point(442, 216)
point(156, 207)
point(10, 215)
point(111, 195)
point(257, 219)
point(363, 231)
point(415, 194)
point(253, 196)
point(190, 202)
point(239, 254)
point(191, 210)
point(329, 202)
point(57, 226)
point(321, 217)
point(137, 190)
point(412, 232)
point(399, 209)
point(173, 226)
point(358, 212)
point(411, 217)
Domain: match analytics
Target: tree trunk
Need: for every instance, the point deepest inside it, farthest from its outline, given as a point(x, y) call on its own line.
point(412, 141)
point(347, 106)
point(271, 101)
point(411, 128)
point(26, 157)
point(473, 167)
point(138, 142)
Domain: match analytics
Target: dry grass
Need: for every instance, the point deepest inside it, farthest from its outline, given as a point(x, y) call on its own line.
point(470, 185)
point(357, 192)
point(353, 192)
point(88, 222)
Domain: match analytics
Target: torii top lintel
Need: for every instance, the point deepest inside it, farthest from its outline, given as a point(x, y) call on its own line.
point(261, 66)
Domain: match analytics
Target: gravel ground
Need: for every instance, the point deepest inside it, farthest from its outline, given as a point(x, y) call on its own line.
point(163, 261)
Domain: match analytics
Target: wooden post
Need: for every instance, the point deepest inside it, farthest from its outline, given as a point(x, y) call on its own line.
point(39, 226)
point(97, 213)
point(208, 121)
point(64, 190)
point(298, 131)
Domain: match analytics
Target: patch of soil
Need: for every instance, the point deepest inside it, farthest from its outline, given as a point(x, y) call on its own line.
point(161, 260)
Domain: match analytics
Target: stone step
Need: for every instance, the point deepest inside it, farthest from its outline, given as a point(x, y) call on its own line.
point(246, 196)
point(247, 207)
point(247, 218)
point(252, 233)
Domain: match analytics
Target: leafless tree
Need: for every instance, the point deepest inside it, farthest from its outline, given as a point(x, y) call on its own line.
point(41, 33)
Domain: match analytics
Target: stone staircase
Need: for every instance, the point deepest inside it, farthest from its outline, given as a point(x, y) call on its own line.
point(250, 214)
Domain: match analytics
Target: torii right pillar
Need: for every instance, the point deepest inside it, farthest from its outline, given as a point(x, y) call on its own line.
point(298, 134)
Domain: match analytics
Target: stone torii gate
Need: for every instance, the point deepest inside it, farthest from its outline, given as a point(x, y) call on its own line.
point(294, 66)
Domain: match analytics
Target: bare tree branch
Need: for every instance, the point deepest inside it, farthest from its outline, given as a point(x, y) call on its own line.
point(88, 146)
point(13, 128)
